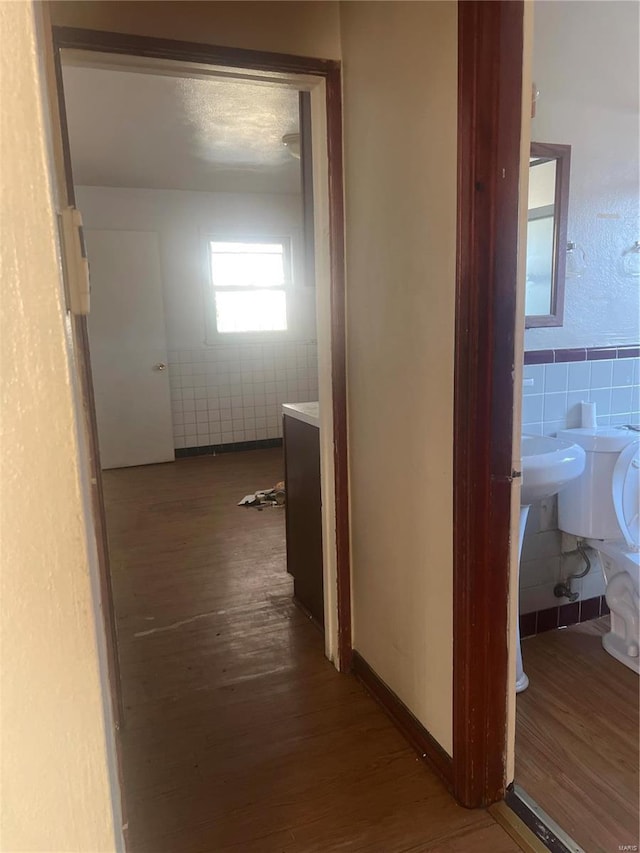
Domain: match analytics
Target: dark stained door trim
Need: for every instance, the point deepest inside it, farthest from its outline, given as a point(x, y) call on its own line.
point(490, 52)
point(81, 342)
point(133, 45)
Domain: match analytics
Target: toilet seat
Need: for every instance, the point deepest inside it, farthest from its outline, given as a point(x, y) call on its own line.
point(625, 487)
point(624, 554)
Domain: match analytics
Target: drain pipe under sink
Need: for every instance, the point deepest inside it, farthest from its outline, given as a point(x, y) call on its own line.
point(563, 589)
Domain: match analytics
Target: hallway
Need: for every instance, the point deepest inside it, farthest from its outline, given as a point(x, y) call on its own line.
point(239, 735)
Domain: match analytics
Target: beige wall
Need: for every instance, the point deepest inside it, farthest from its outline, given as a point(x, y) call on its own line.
point(400, 87)
point(302, 28)
point(55, 770)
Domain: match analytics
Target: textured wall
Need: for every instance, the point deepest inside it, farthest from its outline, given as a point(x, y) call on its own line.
point(55, 777)
point(586, 67)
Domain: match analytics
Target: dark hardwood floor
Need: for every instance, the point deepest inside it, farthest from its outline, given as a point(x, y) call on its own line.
point(239, 735)
point(577, 737)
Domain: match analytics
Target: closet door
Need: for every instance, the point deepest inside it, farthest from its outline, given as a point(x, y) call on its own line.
point(127, 337)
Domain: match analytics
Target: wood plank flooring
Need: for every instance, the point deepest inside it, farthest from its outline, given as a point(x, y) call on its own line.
point(577, 736)
point(239, 735)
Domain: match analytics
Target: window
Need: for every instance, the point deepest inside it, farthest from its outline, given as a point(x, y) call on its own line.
point(249, 285)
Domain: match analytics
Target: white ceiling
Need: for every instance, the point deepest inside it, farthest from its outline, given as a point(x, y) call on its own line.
point(131, 129)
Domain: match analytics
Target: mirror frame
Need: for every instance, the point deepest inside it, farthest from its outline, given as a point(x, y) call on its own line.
point(545, 152)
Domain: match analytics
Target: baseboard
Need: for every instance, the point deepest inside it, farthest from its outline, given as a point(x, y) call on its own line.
point(537, 622)
point(305, 610)
point(231, 447)
point(420, 739)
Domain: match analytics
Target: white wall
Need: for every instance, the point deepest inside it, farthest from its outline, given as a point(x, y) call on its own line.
point(586, 68)
point(184, 220)
point(400, 112)
point(224, 389)
point(55, 784)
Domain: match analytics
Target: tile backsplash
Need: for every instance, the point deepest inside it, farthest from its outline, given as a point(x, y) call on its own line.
point(233, 392)
point(552, 394)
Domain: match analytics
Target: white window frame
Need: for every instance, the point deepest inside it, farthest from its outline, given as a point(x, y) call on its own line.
point(213, 336)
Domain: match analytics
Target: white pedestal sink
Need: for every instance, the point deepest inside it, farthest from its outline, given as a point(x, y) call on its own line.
point(548, 465)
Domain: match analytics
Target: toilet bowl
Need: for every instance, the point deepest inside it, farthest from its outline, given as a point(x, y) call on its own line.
point(602, 508)
point(621, 568)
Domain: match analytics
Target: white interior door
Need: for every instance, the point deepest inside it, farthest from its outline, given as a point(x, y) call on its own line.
point(127, 337)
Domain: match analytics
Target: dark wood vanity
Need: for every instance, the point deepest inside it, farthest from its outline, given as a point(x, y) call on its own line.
point(303, 506)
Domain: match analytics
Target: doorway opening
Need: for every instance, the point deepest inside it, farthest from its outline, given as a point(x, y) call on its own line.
point(212, 227)
point(577, 711)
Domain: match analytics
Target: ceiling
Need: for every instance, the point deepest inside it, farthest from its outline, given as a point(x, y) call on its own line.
point(132, 129)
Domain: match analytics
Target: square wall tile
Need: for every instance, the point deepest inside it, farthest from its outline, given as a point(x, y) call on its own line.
point(537, 598)
point(547, 619)
point(623, 370)
point(601, 374)
point(579, 376)
point(593, 584)
point(555, 377)
point(621, 399)
point(555, 406)
point(589, 609)
point(527, 625)
point(532, 406)
point(602, 398)
point(533, 429)
point(546, 544)
point(569, 614)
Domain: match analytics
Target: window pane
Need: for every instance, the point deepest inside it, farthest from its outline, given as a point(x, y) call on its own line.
point(251, 311)
point(247, 264)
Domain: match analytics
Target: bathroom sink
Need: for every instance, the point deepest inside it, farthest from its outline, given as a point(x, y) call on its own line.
point(548, 464)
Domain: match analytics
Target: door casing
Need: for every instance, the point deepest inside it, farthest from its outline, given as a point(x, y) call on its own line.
point(490, 97)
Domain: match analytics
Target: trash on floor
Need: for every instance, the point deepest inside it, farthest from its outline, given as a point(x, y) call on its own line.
point(265, 497)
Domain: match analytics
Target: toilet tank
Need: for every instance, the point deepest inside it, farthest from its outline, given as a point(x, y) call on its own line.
point(585, 506)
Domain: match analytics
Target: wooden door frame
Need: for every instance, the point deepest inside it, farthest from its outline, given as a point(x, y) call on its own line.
point(124, 44)
point(490, 59)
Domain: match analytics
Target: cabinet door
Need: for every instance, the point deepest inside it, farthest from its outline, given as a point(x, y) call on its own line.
point(303, 510)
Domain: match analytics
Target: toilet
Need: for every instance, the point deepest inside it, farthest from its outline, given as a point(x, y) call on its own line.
point(601, 507)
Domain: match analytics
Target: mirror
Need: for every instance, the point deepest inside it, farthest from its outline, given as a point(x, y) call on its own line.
point(547, 234)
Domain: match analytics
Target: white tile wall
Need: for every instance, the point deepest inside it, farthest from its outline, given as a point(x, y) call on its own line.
point(233, 392)
point(552, 403)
